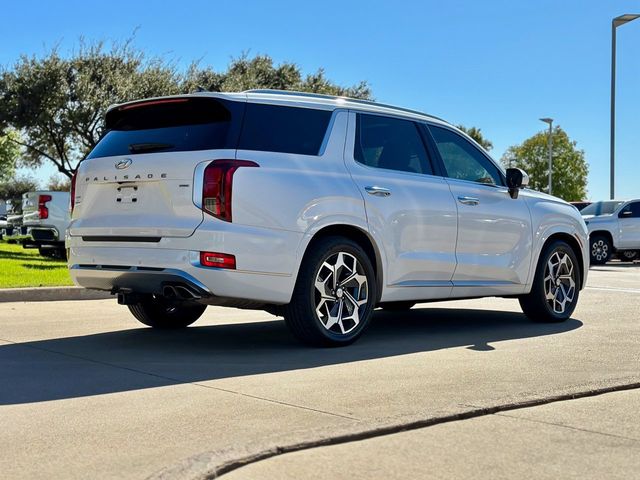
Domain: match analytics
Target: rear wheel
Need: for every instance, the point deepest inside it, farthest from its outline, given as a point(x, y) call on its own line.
point(334, 295)
point(159, 313)
point(555, 290)
point(600, 249)
point(629, 255)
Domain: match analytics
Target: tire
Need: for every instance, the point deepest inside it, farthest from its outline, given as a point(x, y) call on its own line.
point(46, 252)
point(397, 306)
point(628, 255)
point(556, 285)
point(317, 317)
point(599, 249)
point(159, 313)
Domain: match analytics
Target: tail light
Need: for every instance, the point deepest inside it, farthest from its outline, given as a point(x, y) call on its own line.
point(43, 211)
point(217, 260)
point(72, 194)
point(218, 185)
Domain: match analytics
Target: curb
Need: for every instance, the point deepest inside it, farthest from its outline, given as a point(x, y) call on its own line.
point(50, 294)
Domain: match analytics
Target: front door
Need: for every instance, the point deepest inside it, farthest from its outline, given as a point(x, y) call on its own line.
point(493, 251)
point(629, 224)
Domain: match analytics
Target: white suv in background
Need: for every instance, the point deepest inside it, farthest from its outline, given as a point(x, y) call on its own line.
point(614, 228)
point(317, 208)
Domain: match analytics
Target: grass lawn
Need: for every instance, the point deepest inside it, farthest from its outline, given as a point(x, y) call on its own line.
point(20, 267)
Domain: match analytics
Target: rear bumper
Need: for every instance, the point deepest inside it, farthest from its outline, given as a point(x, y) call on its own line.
point(149, 270)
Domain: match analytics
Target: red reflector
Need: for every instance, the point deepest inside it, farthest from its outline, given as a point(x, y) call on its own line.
point(218, 260)
point(154, 102)
point(43, 211)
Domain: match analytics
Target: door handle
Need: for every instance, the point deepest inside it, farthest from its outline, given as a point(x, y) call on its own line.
point(468, 200)
point(378, 191)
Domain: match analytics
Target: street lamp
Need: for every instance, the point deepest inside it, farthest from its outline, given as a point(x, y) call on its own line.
point(550, 144)
point(615, 23)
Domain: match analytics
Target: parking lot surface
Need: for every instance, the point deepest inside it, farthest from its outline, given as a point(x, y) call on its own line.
point(88, 391)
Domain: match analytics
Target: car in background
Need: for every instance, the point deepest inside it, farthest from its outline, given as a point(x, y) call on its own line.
point(46, 218)
point(614, 229)
point(12, 229)
point(581, 205)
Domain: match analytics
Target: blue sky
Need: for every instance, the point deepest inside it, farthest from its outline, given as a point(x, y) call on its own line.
point(497, 65)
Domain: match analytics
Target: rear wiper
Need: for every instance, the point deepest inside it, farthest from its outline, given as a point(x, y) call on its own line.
point(149, 147)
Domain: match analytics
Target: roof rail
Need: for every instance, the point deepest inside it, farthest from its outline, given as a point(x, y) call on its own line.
point(335, 97)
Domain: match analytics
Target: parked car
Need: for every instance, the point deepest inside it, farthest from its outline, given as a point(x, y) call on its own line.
point(46, 218)
point(614, 229)
point(312, 207)
point(580, 205)
point(12, 229)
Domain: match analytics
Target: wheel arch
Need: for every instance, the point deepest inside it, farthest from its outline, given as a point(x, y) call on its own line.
point(604, 233)
point(357, 235)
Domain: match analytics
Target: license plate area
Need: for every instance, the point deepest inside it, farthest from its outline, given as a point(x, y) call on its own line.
point(128, 194)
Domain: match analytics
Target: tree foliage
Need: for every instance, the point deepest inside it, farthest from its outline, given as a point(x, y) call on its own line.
point(9, 153)
point(58, 184)
point(13, 189)
point(477, 135)
point(569, 167)
point(57, 103)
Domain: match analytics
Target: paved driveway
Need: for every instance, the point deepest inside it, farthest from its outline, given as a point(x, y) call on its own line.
point(86, 391)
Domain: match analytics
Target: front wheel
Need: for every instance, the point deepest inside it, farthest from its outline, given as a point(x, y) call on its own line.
point(556, 285)
point(159, 313)
point(334, 295)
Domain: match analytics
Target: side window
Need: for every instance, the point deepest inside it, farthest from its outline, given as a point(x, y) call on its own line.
point(462, 160)
point(634, 208)
point(390, 143)
point(273, 128)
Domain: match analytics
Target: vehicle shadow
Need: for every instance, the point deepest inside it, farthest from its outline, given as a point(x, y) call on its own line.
point(144, 358)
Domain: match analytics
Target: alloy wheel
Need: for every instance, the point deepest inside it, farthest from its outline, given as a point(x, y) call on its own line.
point(559, 281)
point(600, 250)
point(341, 293)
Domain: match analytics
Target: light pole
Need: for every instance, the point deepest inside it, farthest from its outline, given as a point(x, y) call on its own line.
point(615, 23)
point(550, 144)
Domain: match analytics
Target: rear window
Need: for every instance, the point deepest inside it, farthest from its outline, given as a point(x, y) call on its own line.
point(168, 125)
point(274, 128)
point(601, 208)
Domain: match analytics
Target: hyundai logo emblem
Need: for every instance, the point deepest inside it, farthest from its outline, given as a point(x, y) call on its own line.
point(124, 163)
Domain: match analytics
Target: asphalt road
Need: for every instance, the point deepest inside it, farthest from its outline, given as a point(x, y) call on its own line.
point(86, 391)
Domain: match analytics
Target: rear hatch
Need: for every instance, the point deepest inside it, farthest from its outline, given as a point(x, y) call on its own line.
point(138, 182)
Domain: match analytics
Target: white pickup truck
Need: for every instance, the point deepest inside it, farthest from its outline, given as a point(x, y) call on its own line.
point(614, 228)
point(46, 217)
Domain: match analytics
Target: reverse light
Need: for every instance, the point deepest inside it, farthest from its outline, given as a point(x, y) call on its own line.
point(218, 260)
point(43, 211)
point(217, 186)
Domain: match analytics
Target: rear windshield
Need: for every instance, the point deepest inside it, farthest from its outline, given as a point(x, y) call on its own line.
point(600, 208)
point(273, 128)
point(168, 125)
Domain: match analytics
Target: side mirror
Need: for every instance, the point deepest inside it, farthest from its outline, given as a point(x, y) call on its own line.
point(516, 179)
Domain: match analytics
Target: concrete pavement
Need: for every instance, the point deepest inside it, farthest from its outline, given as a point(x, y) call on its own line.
point(85, 389)
point(589, 438)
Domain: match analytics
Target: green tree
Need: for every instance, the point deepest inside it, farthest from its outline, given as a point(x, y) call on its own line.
point(9, 153)
point(569, 170)
point(58, 184)
point(13, 188)
point(57, 104)
point(477, 135)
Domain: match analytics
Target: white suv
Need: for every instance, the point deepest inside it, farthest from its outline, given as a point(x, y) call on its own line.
point(312, 207)
point(614, 228)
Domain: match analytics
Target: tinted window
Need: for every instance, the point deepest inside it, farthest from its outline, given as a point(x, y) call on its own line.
point(462, 160)
point(165, 126)
point(600, 208)
point(634, 208)
point(391, 143)
point(274, 128)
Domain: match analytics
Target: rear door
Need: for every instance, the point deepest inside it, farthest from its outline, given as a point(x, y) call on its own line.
point(629, 223)
point(494, 230)
point(409, 209)
point(139, 179)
